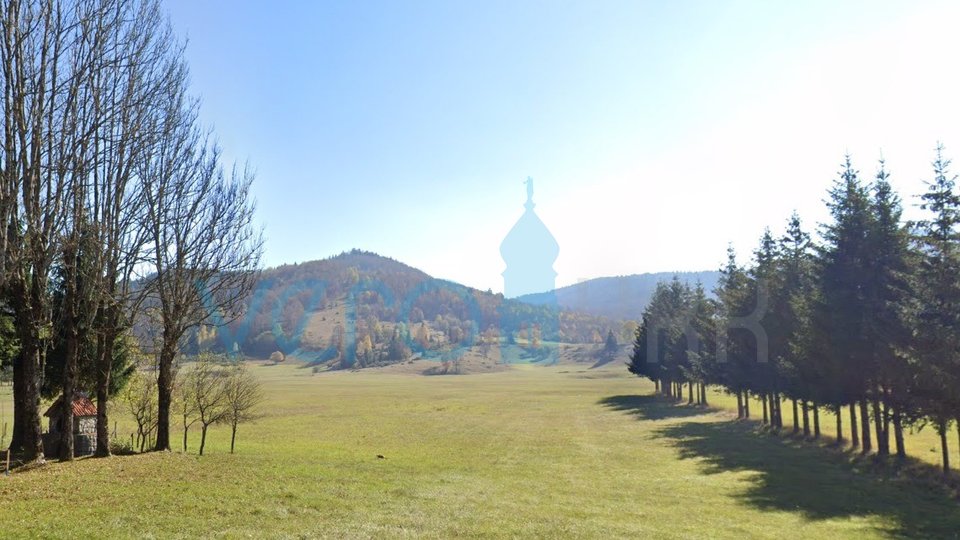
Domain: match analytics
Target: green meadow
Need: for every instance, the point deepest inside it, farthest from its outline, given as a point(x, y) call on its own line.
point(527, 452)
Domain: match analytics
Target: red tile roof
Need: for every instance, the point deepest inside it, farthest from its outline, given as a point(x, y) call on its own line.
point(82, 406)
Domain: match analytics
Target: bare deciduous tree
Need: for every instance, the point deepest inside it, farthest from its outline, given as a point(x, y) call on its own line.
point(243, 395)
point(37, 87)
point(150, 63)
point(104, 172)
point(206, 384)
point(185, 406)
point(205, 249)
point(140, 397)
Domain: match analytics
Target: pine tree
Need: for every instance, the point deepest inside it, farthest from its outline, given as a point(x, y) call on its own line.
point(735, 349)
point(660, 351)
point(789, 301)
point(703, 357)
point(842, 310)
point(610, 344)
point(888, 331)
point(765, 278)
point(938, 302)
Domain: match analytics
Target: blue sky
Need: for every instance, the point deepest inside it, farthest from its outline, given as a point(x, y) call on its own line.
point(656, 132)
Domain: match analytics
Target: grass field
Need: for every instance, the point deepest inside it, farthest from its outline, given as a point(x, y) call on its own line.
point(529, 452)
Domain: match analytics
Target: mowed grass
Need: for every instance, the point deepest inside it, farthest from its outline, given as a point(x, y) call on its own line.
point(530, 452)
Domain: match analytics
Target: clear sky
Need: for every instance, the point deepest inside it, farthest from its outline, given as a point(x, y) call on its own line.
point(656, 132)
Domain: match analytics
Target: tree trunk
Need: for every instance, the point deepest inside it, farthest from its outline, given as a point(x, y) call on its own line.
point(806, 419)
point(796, 414)
point(942, 429)
point(865, 444)
point(839, 413)
point(816, 421)
point(69, 389)
point(763, 400)
point(186, 429)
point(854, 436)
point(898, 434)
point(203, 438)
point(886, 425)
point(883, 444)
point(30, 444)
point(106, 344)
point(656, 385)
point(690, 393)
point(168, 353)
point(103, 426)
point(233, 435)
point(778, 423)
point(739, 404)
point(703, 392)
point(71, 333)
point(775, 411)
point(746, 404)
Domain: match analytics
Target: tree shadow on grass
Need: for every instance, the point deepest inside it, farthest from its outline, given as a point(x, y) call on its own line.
point(652, 407)
point(603, 360)
point(818, 482)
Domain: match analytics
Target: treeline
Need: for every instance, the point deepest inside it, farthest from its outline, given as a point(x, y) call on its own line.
point(114, 207)
point(864, 323)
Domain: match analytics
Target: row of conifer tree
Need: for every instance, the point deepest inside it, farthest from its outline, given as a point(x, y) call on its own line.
point(864, 321)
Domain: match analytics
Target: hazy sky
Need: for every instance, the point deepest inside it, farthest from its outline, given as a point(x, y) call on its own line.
point(656, 132)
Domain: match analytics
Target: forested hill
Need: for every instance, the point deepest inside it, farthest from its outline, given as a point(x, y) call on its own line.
point(360, 307)
point(619, 297)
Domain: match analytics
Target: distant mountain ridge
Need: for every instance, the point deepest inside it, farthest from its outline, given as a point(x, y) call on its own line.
point(617, 297)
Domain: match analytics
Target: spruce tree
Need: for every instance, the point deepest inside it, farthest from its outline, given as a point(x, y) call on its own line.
point(888, 331)
point(703, 357)
point(789, 308)
point(843, 309)
point(937, 343)
point(736, 350)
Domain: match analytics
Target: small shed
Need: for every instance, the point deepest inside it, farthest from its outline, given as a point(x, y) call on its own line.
point(84, 426)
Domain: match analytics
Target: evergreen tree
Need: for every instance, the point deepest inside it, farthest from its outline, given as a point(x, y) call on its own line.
point(734, 345)
point(788, 310)
point(937, 344)
point(702, 359)
point(764, 277)
point(660, 350)
point(610, 344)
point(888, 331)
point(843, 308)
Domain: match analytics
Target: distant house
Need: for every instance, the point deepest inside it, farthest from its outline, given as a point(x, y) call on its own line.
point(84, 426)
